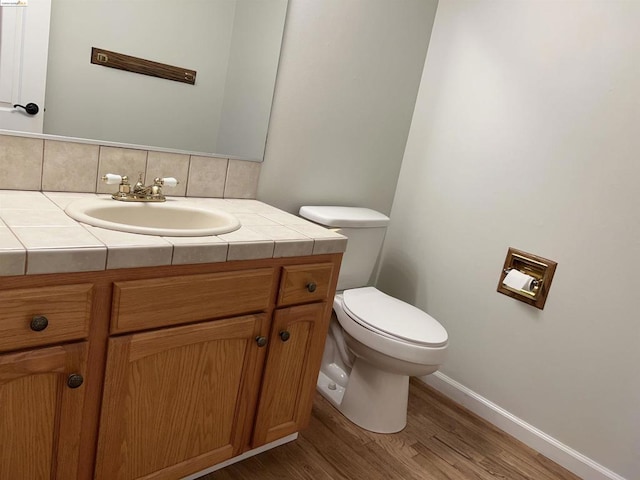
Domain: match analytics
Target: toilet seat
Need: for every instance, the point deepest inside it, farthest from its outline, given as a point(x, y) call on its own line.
point(393, 318)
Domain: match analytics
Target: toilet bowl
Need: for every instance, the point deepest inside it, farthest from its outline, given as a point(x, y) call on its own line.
point(380, 352)
point(375, 341)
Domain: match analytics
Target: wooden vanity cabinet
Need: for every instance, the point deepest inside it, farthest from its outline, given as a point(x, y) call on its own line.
point(176, 400)
point(159, 302)
point(186, 366)
point(42, 400)
point(32, 317)
point(42, 394)
point(290, 374)
point(297, 338)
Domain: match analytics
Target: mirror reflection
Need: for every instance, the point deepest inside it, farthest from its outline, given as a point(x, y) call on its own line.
point(233, 45)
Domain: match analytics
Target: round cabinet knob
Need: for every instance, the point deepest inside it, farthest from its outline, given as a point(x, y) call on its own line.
point(75, 380)
point(284, 335)
point(311, 287)
point(261, 341)
point(39, 323)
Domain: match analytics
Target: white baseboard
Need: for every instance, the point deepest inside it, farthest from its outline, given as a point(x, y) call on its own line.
point(551, 448)
point(244, 456)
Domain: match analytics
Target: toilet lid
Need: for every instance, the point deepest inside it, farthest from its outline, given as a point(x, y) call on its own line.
point(378, 311)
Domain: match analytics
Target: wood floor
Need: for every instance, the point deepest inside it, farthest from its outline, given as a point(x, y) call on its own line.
point(442, 441)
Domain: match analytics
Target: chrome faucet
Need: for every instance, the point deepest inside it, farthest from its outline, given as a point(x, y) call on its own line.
point(138, 192)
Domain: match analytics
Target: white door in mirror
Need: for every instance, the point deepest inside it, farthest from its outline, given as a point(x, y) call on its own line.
point(24, 44)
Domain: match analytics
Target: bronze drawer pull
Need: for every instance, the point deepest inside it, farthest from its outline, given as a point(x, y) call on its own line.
point(39, 323)
point(75, 380)
point(311, 287)
point(284, 335)
point(261, 341)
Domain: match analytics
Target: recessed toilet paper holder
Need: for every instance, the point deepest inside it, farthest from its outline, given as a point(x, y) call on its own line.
point(535, 284)
point(540, 270)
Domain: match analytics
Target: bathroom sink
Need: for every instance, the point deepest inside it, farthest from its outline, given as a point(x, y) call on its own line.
point(170, 218)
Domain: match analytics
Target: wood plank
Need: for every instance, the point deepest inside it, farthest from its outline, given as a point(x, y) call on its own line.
point(305, 283)
point(166, 301)
point(172, 397)
point(291, 371)
point(442, 441)
point(67, 309)
point(120, 61)
point(40, 413)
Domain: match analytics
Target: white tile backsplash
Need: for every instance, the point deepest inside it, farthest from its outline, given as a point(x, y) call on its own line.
point(38, 237)
point(163, 164)
point(61, 260)
point(120, 161)
point(132, 256)
point(13, 262)
point(21, 200)
point(250, 250)
point(188, 250)
point(69, 167)
point(37, 218)
point(207, 176)
point(21, 162)
point(13, 256)
point(242, 179)
point(66, 166)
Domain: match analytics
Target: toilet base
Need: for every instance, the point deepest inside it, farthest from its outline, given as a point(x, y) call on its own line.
point(330, 390)
point(374, 400)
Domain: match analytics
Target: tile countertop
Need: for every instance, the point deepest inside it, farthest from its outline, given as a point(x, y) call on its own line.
point(36, 237)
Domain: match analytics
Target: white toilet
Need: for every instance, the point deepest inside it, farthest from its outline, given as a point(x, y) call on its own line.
point(375, 342)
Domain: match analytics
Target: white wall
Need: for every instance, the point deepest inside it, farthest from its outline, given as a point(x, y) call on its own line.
point(347, 81)
point(525, 134)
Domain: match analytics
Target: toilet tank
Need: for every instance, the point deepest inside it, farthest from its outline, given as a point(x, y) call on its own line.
point(365, 229)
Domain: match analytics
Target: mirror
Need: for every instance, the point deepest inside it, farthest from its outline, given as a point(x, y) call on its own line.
point(233, 45)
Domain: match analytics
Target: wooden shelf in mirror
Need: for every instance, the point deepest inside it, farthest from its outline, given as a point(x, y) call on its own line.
point(120, 61)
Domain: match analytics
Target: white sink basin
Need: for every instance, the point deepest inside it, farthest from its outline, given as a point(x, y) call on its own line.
point(170, 218)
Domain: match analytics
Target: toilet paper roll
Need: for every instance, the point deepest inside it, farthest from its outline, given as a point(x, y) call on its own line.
point(519, 281)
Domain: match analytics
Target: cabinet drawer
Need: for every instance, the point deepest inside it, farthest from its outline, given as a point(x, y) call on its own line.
point(143, 304)
point(64, 313)
point(305, 283)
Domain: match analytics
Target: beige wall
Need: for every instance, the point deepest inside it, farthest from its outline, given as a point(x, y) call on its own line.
point(525, 134)
point(347, 81)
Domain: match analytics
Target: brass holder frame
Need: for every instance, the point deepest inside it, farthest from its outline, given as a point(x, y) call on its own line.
point(541, 269)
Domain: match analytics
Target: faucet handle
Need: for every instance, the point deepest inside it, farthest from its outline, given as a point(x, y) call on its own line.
point(169, 182)
point(113, 179)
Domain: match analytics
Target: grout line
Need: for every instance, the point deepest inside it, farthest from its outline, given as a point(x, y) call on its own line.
point(146, 165)
point(44, 144)
point(186, 186)
point(98, 169)
point(226, 179)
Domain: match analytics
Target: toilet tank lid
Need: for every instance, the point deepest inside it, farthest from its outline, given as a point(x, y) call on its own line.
point(354, 217)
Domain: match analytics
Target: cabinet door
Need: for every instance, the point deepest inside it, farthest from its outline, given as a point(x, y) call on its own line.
point(178, 400)
point(291, 371)
point(41, 414)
